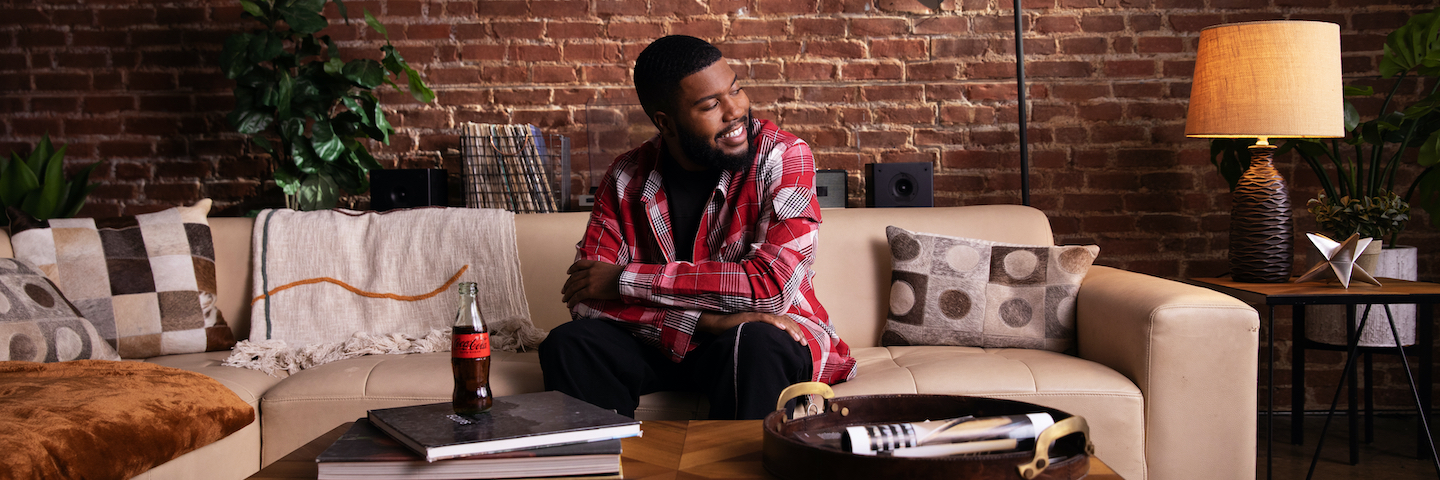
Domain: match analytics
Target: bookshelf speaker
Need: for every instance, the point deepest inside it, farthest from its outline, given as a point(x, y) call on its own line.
point(830, 188)
point(909, 184)
point(406, 188)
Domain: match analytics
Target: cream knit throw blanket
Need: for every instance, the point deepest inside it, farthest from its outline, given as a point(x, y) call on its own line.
point(337, 284)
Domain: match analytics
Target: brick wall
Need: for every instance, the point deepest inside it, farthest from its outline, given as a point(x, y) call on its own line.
point(135, 84)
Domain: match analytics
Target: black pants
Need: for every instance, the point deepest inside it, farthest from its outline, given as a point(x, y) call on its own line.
point(741, 370)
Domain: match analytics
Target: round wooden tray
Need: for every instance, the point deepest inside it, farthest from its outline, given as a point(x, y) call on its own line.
point(790, 450)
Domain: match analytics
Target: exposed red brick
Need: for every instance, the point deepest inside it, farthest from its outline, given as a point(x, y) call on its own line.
point(932, 71)
point(1083, 45)
point(992, 92)
point(955, 47)
point(840, 49)
point(605, 74)
point(505, 8)
point(871, 71)
point(1130, 68)
point(483, 52)
point(751, 27)
point(907, 49)
point(1160, 45)
point(634, 30)
point(424, 32)
point(891, 26)
point(1053, 24)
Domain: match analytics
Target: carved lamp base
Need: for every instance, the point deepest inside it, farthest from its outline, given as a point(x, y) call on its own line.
point(1260, 236)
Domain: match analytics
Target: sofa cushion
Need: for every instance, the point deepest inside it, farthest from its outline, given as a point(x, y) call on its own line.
point(315, 400)
point(961, 291)
point(37, 323)
point(108, 419)
point(147, 281)
point(1110, 402)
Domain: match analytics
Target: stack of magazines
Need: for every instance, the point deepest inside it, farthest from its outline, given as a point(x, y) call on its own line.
point(534, 435)
point(513, 167)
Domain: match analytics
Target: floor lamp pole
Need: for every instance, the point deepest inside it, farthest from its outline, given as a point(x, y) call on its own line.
point(1020, 88)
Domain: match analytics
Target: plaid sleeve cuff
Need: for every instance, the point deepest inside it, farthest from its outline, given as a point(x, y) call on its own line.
point(637, 281)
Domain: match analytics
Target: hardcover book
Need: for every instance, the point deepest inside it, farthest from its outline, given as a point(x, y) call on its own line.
point(516, 422)
point(365, 452)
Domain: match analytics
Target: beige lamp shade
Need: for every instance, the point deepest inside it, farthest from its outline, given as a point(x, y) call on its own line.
point(1267, 79)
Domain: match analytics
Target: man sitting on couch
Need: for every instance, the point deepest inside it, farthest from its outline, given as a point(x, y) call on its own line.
point(694, 271)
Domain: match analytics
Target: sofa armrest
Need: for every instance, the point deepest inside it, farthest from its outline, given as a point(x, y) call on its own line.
point(1193, 353)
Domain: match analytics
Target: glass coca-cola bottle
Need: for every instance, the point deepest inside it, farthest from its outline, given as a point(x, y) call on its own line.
point(470, 355)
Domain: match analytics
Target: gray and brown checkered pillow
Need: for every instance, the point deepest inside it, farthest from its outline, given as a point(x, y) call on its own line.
point(146, 282)
point(968, 292)
point(37, 324)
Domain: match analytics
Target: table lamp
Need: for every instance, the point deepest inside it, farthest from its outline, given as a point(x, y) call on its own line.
point(1264, 80)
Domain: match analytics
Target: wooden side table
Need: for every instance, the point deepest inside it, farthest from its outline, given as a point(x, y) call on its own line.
point(1424, 294)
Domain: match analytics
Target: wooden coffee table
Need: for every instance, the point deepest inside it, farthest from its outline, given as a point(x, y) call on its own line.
point(725, 449)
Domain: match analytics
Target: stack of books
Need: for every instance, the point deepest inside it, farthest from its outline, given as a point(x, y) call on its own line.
point(535, 435)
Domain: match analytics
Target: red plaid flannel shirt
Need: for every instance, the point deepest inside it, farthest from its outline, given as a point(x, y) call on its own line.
point(753, 252)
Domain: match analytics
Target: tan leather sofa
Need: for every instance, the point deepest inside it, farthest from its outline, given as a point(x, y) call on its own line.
point(1166, 372)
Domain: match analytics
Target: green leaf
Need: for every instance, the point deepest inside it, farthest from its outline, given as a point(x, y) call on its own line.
point(249, 121)
point(1388, 67)
point(252, 9)
point(233, 58)
point(303, 15)
point(326, 144)
point(335, 66)
point(42, 152)
point(45, 202)
point(17, 181)
point(263, 143)
point(375, 25)
point(382, 124)
point(266, 47)
point(418, 89)
point(1352, 117)
point(288, 179)
point(1430, 151)
point(344, 13)
point(317, 192)
point(364, 159)
point(354, 106)
point(365, 73)
point(79, 190)
point(284, 95)
point(1359, 91)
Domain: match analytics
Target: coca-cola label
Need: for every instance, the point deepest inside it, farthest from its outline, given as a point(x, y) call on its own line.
point(470, 345)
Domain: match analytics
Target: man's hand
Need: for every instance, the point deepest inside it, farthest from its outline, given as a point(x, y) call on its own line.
point(591, 280)
point(714, 323)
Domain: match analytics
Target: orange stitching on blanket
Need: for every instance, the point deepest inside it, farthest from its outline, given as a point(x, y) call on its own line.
point(403, 298)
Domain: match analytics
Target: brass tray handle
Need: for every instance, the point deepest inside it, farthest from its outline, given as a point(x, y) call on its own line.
point(1057, 431)
point(800, 389)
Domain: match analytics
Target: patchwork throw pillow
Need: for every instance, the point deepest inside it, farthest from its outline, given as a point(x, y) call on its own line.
point(37, 323)
point(968, 292)
point(147, 282)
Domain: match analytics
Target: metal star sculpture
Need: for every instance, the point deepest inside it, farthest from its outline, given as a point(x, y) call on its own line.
point(1339, 260)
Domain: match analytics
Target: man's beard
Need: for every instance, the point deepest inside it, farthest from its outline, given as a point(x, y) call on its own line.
point(699, 150)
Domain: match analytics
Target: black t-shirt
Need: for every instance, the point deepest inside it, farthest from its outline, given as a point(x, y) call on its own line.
point(687, 192)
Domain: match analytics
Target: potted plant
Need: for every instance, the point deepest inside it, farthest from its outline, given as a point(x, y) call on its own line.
point(307, 108)
point(36, 184)
point(1361, 196)
point(1357, 173)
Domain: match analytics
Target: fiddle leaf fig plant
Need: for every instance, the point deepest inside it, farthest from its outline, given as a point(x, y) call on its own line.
point(305, 106)
point(36, 183)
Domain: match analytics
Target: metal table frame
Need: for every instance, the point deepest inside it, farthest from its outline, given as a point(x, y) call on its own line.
point(1423, 294)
